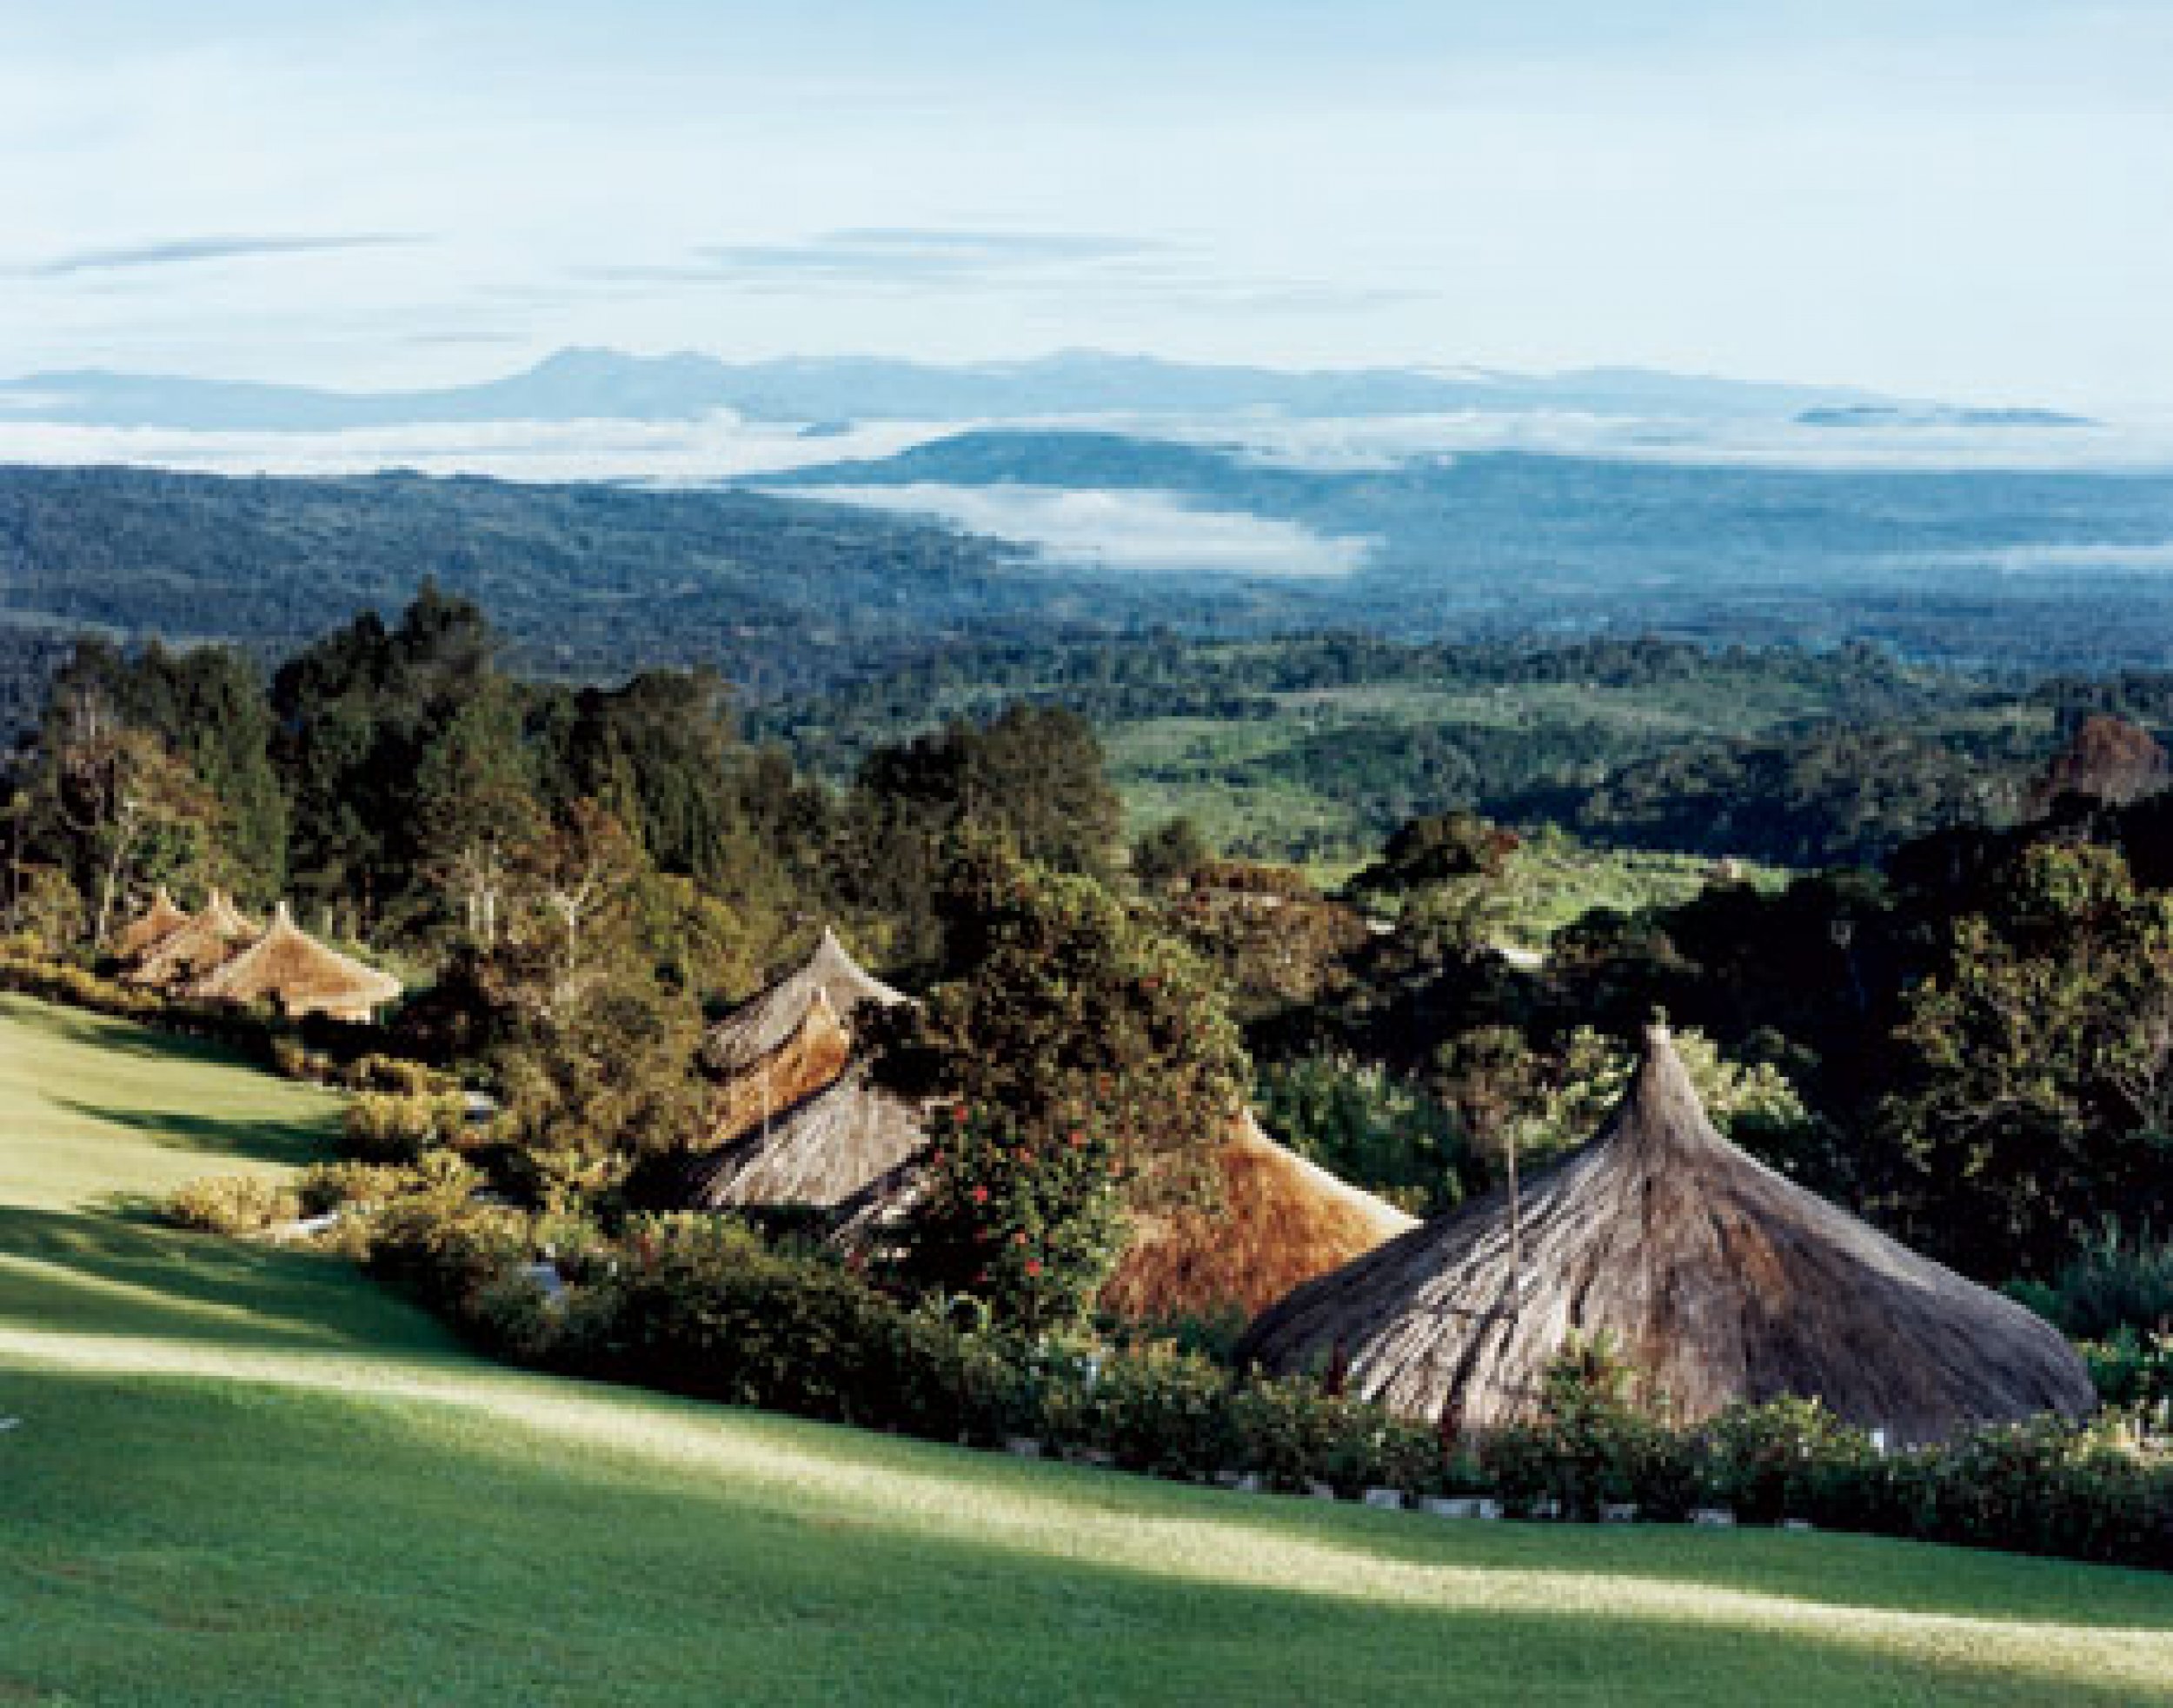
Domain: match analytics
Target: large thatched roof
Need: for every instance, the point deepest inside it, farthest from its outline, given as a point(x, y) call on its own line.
point(190, 950)
point(287, 966)
point(1281, 1221)
point(811, 1057)
point(821, 1153)
point(1719, 1277)
point(771, 1019)
point(150, 928)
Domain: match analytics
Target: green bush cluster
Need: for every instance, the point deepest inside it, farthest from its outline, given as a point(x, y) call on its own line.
point(2134, 1372)
point(2118, 1280)
point(702, 1305)
point(399, 1127)
point(234, 1204)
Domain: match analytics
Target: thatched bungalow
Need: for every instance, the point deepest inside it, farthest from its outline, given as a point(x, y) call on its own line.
point(150, 928)
point(825, 1152)
point(299, 975)
point(790, 1039)
point(1282, 1222)
point(1720, 1279)
point(192, 949)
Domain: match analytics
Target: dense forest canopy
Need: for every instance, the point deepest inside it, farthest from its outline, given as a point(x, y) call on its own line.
point(574, 877)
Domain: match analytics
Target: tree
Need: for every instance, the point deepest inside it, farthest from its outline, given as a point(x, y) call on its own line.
point(1035, 776)
point(1066, 1018)
point(2035, 1094)
point(1166, 855)
point(133, 808)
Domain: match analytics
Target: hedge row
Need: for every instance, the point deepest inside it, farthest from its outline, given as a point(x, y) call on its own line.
point(703, 1306)
point(327, 1051)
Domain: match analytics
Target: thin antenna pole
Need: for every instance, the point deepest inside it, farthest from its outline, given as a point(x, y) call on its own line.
point(1516, 1228)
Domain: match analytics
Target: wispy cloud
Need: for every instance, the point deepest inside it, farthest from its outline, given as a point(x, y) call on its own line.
point(909, 259)
point(928, 251)
point(183, 251)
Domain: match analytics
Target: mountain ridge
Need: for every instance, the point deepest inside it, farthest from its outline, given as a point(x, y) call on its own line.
point(594, 383)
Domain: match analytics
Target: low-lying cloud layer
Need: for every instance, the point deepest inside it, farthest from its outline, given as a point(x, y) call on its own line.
point(1144, 533)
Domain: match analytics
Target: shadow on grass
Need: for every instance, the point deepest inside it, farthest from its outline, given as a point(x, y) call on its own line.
point(296, 1142)
point(449, 1559)
point(109, 1034)
point(75, 1273)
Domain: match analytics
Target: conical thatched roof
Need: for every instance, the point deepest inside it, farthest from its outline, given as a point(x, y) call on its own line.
point(152, 926)
point(289, 968)
point(822, 1152)
point(812, 1056)
point(745, 1039)
point(1717, 1276)
point(1282, 1222)
point(193, 948)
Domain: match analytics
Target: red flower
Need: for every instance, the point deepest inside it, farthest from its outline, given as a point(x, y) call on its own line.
point(958, 1114)
point(980, 1194)
point(1034, 1266)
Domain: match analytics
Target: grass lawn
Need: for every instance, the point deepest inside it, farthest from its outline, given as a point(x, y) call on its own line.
point(247, 1476)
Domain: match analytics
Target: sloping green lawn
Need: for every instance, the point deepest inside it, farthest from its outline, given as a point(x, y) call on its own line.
point(247, 1476)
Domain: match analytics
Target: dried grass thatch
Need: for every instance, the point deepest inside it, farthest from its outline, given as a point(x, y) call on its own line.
point(821, 1154)
point(291, 969)
point(150, 928)
point(1720, 1279)
point(193, 948)
point(1282, 1222)
point(766, 1022)
point(811, 1057)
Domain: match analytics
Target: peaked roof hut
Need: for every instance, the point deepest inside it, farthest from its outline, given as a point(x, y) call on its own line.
point(194, 947)
point(1718, 1278)
point(790, 1039)
point(768, 1020)
point(1282, 1222)
point(152, 926)
point(290, 968)
point(826, 1151)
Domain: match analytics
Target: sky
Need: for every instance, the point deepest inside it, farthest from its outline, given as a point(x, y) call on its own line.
point(1944, 200)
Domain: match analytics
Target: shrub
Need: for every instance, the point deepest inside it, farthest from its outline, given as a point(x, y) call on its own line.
point(232, 1204)
point(1166, 1413)
point(1595, 1442)
point(2135, 1373)
point(2117, 1281)
point(1779, 1460)
point(1025, 1220)
point(398, 1076)
point(355, 1186)
point(398, 1127)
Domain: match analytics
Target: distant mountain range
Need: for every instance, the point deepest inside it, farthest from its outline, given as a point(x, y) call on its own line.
point(604, 384)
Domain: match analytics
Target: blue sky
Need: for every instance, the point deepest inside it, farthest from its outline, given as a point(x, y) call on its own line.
point(1966, 200)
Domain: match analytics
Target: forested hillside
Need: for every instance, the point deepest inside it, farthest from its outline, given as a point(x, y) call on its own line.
point(589, 581)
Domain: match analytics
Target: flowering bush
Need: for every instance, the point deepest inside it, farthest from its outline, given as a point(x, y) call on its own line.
point(1024, 1220)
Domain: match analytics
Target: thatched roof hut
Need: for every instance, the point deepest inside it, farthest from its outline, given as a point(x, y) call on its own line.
point(1282, 1222)
point(789, 1041)
point(812, 1056)
point(291, 969)
point(150, 928)
point(1720, 1279)
point(823, 1152)
point(194, 947)
point(770, 1020)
